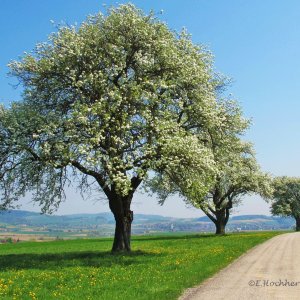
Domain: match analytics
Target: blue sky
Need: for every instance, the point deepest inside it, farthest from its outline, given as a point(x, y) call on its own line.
point(256, 43)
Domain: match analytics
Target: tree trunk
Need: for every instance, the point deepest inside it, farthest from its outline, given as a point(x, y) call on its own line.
point(123, 232)
point(120, 207)
point(222, 217)
point(220, 227)
point(297, 223)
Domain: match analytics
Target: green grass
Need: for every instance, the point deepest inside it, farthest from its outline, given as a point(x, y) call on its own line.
point(160, 267)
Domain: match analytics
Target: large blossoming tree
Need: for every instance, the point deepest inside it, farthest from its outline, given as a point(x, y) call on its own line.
point(103, 104)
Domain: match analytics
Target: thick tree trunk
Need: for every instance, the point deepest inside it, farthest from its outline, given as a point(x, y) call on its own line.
point(297, 223)
point(120, 207)
point(222, 217)
point(122, 232)
point(220, 227)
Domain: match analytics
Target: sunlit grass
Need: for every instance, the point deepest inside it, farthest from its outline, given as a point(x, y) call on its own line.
point(160, 267)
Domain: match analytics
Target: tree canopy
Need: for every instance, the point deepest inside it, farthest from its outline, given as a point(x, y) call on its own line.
point(237, 173)
point(105, 103)
point(286, 198)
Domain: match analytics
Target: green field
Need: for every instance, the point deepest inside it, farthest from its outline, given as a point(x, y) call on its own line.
point(160, 267)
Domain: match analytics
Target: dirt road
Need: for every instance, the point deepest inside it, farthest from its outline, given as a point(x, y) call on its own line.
point(268, 271)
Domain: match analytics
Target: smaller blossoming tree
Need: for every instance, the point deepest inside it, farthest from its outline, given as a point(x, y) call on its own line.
point(238, 173)
point(286, 198)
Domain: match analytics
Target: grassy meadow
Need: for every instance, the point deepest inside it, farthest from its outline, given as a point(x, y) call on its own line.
point(160, 267)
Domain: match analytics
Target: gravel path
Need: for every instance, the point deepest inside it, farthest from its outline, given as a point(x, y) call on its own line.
point(268, 271)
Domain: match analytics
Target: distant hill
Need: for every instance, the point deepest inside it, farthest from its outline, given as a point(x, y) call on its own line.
point(142, 222)
point(251, 217)
point(17, 217)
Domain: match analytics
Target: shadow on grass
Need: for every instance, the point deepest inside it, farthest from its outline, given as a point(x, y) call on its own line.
point(177, 237)
point(56, 261)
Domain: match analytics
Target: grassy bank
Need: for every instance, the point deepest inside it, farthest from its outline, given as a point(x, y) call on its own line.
point(160, 267)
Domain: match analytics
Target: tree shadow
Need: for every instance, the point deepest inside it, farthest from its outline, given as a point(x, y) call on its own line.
point(170, 237)
point(54, 261)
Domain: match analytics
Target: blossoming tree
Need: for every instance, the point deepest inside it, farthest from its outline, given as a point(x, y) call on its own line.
point(238, 173)
point(286, 198)
point(103, 104)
